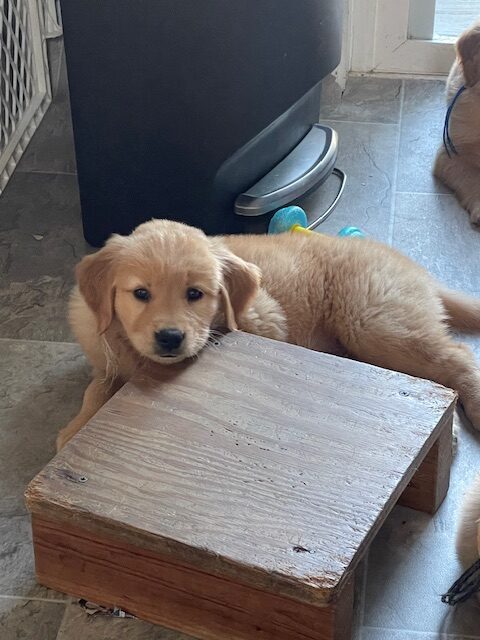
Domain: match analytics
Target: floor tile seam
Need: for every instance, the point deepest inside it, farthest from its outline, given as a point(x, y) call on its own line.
point(395, 169)
point(59, 72)
point(46, 173)
point(445, 635)
point(30, 340)
point(424, 193)
point(64, 617)
point(34, 599)
point(336, 120)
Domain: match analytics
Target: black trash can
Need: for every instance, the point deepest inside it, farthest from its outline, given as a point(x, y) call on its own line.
point(178, 106)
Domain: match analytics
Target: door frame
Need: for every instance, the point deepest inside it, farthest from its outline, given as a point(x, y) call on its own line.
point(380, 42)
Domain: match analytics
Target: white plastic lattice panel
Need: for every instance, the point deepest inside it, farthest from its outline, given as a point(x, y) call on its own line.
point(52, 21)
point(24, 82)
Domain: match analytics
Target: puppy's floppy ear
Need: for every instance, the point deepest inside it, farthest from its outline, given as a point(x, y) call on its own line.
point(468, 50)
point(95, 281)
point(241, 281)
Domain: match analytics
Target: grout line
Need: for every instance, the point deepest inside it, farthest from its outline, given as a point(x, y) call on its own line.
point(48, 173)
point(398, 76)
point(385, 124)
point(34, 599)
point(426, 634)
point(63, 618)
point(423, 193)
point(59, 71)
point(397, 162)
point(28, 340)
point(391, 226)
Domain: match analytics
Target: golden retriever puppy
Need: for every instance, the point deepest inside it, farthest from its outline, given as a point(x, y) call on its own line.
point(468, 534)
point(468, 548)
point(152, 299)
point(458, 160)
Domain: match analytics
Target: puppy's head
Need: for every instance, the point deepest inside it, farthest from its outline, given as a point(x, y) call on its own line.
point(468, 52)
point(166, 283)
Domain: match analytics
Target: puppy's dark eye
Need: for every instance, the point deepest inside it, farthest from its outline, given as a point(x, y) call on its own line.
point(194, 294)
point(142, 294)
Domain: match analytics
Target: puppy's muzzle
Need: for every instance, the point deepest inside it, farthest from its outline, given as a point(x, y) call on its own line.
point(169, 341)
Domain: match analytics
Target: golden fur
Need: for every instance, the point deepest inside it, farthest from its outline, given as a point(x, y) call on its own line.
point(350, 296)
point(468, 529)
point(461, 172)
point(468, 536)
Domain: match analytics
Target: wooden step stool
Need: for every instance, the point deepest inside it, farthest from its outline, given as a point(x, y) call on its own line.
point(233, 497)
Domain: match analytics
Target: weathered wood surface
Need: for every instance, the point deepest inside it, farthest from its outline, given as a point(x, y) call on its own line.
point(261, 462)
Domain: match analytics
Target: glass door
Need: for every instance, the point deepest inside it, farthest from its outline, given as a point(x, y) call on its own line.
point(407, 36)
point(454, 16)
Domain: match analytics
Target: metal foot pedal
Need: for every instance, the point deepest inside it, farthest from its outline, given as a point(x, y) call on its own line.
point(307, 166)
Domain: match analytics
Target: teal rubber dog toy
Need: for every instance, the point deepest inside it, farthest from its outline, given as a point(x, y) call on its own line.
point(288, 219)
point(295, 219)
point(351, 231)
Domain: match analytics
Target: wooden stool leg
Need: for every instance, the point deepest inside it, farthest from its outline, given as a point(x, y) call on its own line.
point(343, 612)
point(428, 487)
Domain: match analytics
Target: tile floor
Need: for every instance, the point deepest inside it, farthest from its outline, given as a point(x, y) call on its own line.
point(389, 131)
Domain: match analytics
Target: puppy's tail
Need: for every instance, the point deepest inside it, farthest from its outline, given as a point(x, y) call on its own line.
point(463, 311)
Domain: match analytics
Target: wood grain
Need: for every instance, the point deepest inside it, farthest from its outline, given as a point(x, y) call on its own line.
point(261, 462)
point(150, 586)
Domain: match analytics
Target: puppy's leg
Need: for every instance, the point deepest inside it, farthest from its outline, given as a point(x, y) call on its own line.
point(456, 368)
point(463, 179)
point(428, 352)
point(96, 395)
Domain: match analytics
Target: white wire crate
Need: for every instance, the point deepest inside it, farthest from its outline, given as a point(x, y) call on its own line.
point(24, 81)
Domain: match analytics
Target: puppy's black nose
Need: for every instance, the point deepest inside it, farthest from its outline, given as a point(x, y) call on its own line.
point(169, 339)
